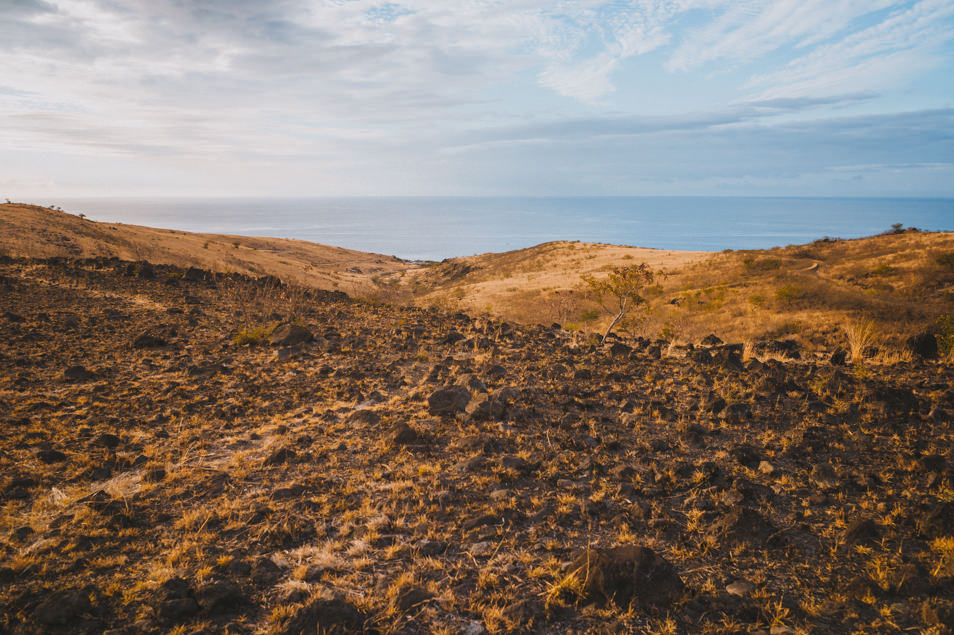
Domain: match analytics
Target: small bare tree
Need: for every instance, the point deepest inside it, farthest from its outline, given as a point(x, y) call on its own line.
point(619, 292)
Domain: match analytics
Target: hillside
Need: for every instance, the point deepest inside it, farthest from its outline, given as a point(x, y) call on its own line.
point(900, 282)
point(196, 453)
point(33, 231)
point(821, 295)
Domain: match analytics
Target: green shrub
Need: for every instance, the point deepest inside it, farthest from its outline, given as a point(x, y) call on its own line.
point(884, 269)
point(788, 293)
point(251, 336)
point(762, 264)
point(588, 317)
point(944, 326)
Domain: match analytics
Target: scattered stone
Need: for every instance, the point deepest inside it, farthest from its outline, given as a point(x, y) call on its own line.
point(403, 434)
point(107, 440)
point(78, 374)
point(839, 357)
point(862, 531)
point(217, 598)
point(744, 526)
point(740, 588)
point(51, 456)
point(363, 417)
point(410, 596)
point(937, 521)
point(711, 340)
point(923, 345)
point(328, 615)
point(766, 468)
point(289, 335)
point(147, 340)
point(824, 476)
point(62, 607)
point(627, 574)
point(446, 402)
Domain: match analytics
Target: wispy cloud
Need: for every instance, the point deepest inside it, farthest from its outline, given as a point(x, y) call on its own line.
point(234, 84)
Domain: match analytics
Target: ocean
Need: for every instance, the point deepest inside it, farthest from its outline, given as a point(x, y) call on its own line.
point(434, 228)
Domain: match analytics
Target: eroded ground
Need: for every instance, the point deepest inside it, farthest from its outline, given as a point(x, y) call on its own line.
point(416, 471)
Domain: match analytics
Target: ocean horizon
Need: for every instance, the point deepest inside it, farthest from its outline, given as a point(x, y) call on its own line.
point(434, 228)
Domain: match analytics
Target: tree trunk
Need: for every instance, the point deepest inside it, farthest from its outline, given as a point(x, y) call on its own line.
point(619, 316)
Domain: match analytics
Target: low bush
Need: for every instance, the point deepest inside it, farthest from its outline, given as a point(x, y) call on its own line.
point(252, 336)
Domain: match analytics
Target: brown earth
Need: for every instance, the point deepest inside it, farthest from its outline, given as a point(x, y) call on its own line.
point(411, 470)
point(823, 295)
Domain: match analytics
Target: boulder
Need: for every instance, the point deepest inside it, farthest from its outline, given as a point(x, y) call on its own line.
point(711, 340)
point(147, 340)
point(446, 402)
point(626, 574)
point(289, 335)
point(923, 345)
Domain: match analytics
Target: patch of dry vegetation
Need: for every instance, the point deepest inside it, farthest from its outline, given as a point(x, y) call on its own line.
point(398, 469)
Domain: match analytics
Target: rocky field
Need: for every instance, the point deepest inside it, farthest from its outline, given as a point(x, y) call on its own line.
point(183, 452)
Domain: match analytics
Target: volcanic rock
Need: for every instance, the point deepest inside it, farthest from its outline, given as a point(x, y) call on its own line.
point(627, 574)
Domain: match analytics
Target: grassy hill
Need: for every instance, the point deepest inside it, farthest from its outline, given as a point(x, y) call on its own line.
point(870, 293)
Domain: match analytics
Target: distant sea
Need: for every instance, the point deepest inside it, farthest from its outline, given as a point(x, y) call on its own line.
point(434, 228)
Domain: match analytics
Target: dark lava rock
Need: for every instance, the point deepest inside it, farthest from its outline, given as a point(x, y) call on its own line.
point(62, 607)
point(619, 349)
point(51, 456)
point(627, 574)
point(787, 349)
point(106, 440)
point(281, 456)
point(935, 463)
point(937, 520)
point(514, 463)
point(147, 340)
point(746, 456)
point(409, 597)
point(453, 337)
point(448, 401)
point(862, 531)
point(154, 475)
point(364, 417)
point(403, 434)
point(194, 274)
point(78, 374)
point(728, 358)
point(711, 340)
point(175, 601)
point(923, 345)
point(743, 525)
point(839, 357)
point(221, 597)
point(264, 571)
point(328, 616)
point(700, 356)
point(289, 335)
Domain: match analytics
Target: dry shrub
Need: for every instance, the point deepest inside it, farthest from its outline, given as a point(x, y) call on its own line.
point(861, 335)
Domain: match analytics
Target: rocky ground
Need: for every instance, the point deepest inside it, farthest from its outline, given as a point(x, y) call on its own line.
point(381, 469)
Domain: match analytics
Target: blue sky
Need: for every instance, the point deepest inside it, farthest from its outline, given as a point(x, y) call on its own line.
point(527, 97)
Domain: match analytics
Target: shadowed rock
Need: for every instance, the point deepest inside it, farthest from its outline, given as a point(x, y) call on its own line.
point(289, 335)
point(627, 574)
point(449, 401)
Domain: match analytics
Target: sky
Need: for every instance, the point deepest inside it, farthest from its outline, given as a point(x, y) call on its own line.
point(476, 97)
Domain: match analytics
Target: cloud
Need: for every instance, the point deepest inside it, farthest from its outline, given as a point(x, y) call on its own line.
point(423, 91)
